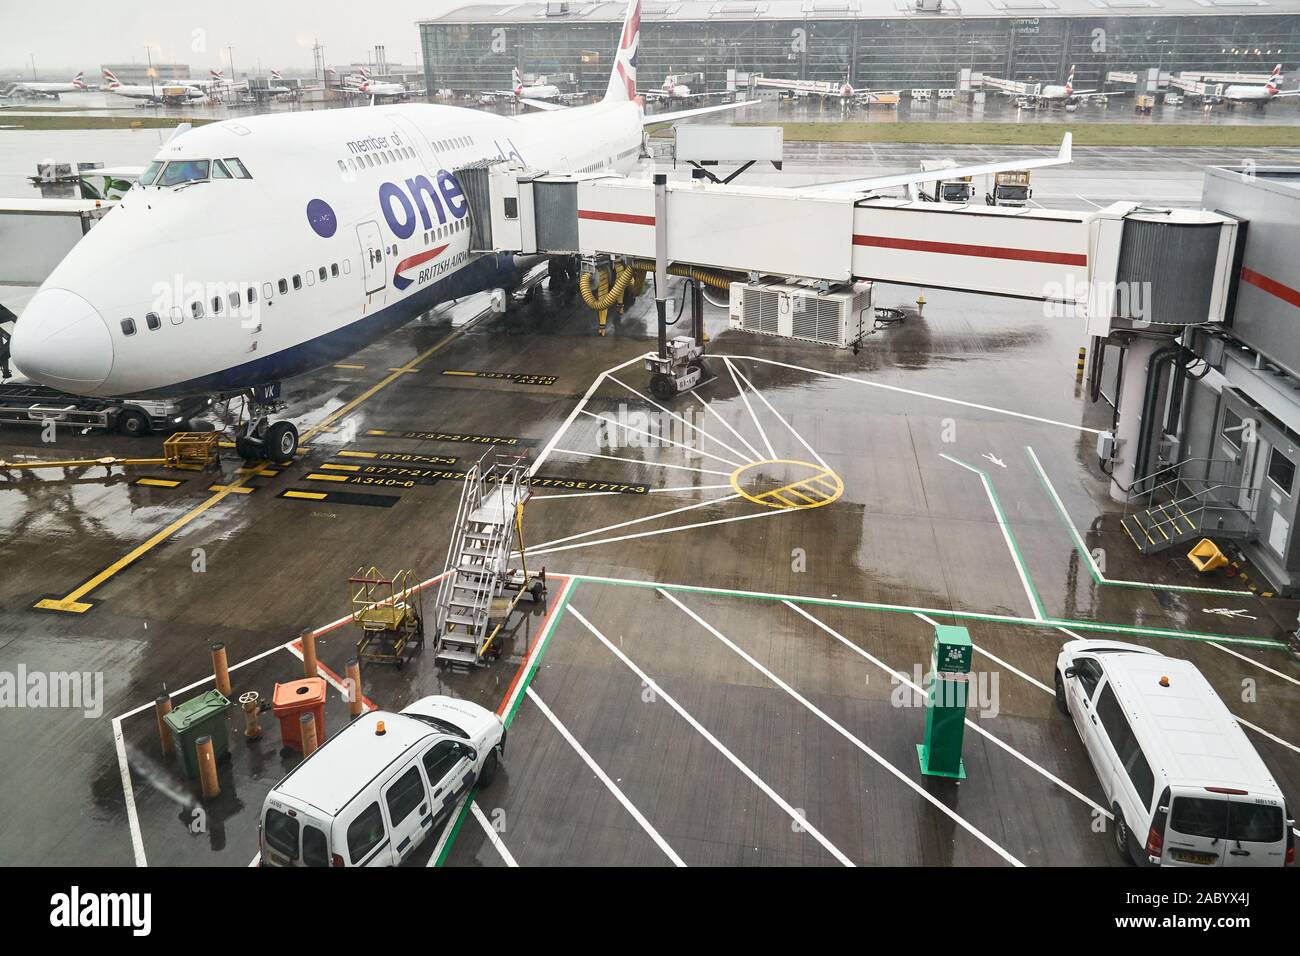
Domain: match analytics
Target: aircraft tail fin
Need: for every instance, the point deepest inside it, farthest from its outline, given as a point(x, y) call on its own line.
point(1275, 80)
point(622, 79)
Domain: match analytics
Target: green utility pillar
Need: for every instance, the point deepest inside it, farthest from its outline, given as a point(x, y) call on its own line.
point(945, 704)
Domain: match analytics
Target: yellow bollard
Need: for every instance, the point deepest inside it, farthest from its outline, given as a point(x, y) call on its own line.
point(162, 706)
point(308, 722)
point(309, 653)
point(207, 768)
point(1078, 374)
point(251, 702)
point(220, 670)
point(356, 704)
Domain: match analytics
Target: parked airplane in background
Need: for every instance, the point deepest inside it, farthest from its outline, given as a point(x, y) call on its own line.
point(296, 239)
point(34, 88)
point(1259, 95)
point(843, 92)
point(360, 84)
point(1039, 95)
point(674, 90)
point(180, 90)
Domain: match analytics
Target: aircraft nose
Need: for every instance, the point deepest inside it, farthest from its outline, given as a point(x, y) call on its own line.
point(61, 341)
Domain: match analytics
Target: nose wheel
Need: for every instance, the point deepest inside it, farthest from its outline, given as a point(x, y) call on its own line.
point(277, 441)
point(263, 440)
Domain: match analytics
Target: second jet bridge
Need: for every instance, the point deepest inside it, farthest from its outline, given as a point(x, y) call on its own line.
point(826, 240)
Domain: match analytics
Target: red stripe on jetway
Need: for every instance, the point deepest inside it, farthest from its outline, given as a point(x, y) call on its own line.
point(1271, 286)
point(616, 217)
point(964, 249)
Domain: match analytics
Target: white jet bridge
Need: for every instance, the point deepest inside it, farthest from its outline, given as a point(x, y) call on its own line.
point(801, 262)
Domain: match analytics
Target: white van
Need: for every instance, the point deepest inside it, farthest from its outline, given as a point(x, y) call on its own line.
point(372, 793)
point(1185, 785)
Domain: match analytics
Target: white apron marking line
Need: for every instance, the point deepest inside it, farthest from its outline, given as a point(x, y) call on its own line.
point(541, 548)
point(969, 723)
point(492, 835)
point(660, 438)
point(716, 414)
point(604, 778)
point(765, 513)
point(820, 460)
point(717, 744)
point(830, 722)
point(591, 390)
point(697, 428)
point(633, 461)
point(1006, 535)
point(745, 398)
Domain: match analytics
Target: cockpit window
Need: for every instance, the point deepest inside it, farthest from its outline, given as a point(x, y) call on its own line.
point(219, 170)
point(237, 169)
point(184, 171)
point(151, 173)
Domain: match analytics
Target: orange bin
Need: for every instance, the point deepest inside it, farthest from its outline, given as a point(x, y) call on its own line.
point(290, 701)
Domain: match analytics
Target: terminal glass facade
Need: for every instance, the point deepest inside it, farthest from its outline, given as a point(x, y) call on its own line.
point(897, 53)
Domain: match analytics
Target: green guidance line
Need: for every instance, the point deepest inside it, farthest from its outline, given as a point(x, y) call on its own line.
point(963, 615)
point(1095, 571)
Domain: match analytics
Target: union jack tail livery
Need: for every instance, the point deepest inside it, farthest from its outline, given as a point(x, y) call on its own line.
point(1069, 81)
point(78, 82)
point(275, 75)
point(622, 81)
point(516, 81)
point(111, 79)
point(1274, 80)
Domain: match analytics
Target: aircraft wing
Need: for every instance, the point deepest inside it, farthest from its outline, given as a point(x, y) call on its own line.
point(1088, 93)
point(1287, 93)
point(542, 104)
point(675, 115)
point(954, 172)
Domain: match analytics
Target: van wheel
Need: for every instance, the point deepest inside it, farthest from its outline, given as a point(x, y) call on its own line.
point(1062, 704)
point(1123, 836)
point(489, 769)
point(133, 424)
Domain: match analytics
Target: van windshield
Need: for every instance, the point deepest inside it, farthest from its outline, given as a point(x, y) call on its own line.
point(445, 726)
point(1222, 819)
point(282, 833)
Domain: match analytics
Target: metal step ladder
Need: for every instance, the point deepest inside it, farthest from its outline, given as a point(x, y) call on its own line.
point(478, 559)
point(1183, 502)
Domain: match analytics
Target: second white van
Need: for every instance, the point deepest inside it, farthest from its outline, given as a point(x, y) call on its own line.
point(1184, 783)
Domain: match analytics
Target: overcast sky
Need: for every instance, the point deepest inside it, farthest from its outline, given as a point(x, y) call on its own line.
point(82, 34)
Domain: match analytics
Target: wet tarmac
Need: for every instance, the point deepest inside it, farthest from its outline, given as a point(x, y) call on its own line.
point(717, 675)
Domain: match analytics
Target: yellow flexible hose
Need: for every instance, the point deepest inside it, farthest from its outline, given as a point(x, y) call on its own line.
point(635, 273)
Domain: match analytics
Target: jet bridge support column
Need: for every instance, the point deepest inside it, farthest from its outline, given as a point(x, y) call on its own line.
point(676, 367)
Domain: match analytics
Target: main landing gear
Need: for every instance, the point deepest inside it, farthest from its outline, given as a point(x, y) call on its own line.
point(259, 439)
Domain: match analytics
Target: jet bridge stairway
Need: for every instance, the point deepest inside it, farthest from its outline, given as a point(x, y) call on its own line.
point(487, 532)
point(1184, 502)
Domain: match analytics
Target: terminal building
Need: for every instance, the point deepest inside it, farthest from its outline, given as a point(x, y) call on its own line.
point(881, 44)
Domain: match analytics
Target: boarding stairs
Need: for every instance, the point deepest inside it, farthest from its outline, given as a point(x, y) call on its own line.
point(1185, 501)
point(486, 532)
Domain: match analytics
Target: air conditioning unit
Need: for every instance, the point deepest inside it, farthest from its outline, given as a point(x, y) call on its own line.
point(929, 6)
point(840, 317)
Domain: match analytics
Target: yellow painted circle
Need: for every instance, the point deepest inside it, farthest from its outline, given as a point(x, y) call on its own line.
point(815, 486)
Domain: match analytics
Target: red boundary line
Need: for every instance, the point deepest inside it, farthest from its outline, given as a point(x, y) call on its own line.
point(541, 631)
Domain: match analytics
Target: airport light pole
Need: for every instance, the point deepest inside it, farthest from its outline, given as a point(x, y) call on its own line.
point(148, 54)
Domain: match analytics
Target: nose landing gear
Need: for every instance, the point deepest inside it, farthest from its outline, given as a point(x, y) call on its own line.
point(263, 440)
